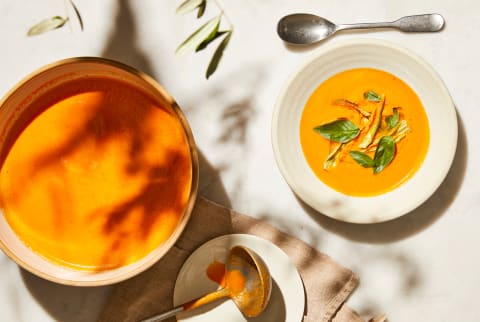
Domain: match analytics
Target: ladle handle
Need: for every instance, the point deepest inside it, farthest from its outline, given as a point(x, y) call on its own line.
point(418, 23)
point(217, 295)
point(165, 315)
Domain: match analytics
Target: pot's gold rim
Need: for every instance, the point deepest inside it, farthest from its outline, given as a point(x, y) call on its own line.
point(163, 248)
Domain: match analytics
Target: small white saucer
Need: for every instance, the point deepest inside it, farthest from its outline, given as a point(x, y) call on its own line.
point(287, 302)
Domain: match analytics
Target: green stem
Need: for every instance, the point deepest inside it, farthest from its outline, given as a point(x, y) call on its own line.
point(220, 8)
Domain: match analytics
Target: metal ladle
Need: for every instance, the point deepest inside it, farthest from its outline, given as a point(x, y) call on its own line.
point(303, 28)
point(251, 300)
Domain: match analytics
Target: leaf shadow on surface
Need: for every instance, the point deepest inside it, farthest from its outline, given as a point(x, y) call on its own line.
point(122, 44)
point(402, 271)
point(284, 224)
point(413, 222)
point(236, 117)
point(230, 106)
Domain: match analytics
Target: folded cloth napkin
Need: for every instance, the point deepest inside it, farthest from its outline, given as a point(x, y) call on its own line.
point(327, 284)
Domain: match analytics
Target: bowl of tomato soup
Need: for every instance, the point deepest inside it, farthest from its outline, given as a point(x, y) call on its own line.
point(364, 131)
point(98, 175)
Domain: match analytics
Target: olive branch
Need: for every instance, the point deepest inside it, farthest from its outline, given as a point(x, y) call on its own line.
point(55, 22)
point(206, 34)
point(197, 41)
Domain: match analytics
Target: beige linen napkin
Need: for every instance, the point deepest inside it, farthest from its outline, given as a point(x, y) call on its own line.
point(327, 284)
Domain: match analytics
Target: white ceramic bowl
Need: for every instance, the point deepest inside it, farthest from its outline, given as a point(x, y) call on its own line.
point(364, 53)
point(17, 101)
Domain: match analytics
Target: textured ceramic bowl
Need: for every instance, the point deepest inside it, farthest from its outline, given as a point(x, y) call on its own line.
point(364, 53)
point(11, 108)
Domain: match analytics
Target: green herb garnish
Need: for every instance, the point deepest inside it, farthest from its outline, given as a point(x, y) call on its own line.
point(377, 140)
point(384, 154)
point(392, 120)
point(372, 96)
point(362, 158)
point(375, 121)
point(346, 103)
point(333, 156)
point(341, 130)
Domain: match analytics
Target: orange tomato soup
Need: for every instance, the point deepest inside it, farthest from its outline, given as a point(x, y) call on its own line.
point(348, 176)
point(98, 176)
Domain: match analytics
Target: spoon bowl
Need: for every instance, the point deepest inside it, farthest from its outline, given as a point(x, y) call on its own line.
point(304, 28)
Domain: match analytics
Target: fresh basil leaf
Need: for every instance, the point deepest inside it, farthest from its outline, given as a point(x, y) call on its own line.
point(189, 5)
point(209, 29)
point(363, 159)
point(384, 154)
point(77, 13)
point(201, 9)
point(217, 55)
point(341, 130)
point(372, 96)
point(209, 40)
point(47, 25)
point(392, 120)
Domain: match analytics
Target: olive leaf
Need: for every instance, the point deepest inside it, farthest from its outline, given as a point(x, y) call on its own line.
point(47, 25)
point(372, 96)
point(201, 9)
point(77, 13)
point(340, 130)
point(392, 120)
point(209, 40)
point(190, 5)
point(206, 31)
point(217, 55)
point(384, 154)
point(363, 159)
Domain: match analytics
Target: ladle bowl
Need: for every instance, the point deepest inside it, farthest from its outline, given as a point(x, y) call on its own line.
point(248, 284)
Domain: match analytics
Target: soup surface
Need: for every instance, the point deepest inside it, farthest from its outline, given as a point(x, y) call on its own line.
point(375, 104)
point(97, 176)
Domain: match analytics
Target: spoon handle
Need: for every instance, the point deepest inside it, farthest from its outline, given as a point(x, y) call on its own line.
point(417, 23)
point(217, 295)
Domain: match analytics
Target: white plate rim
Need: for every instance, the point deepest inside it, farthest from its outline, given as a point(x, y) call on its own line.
point(367, 209)
point(291, 287)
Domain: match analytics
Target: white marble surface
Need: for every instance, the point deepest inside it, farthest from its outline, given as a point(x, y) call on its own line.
point(421, 267)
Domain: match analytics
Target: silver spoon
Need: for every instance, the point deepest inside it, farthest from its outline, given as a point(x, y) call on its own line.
point(304, 28)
